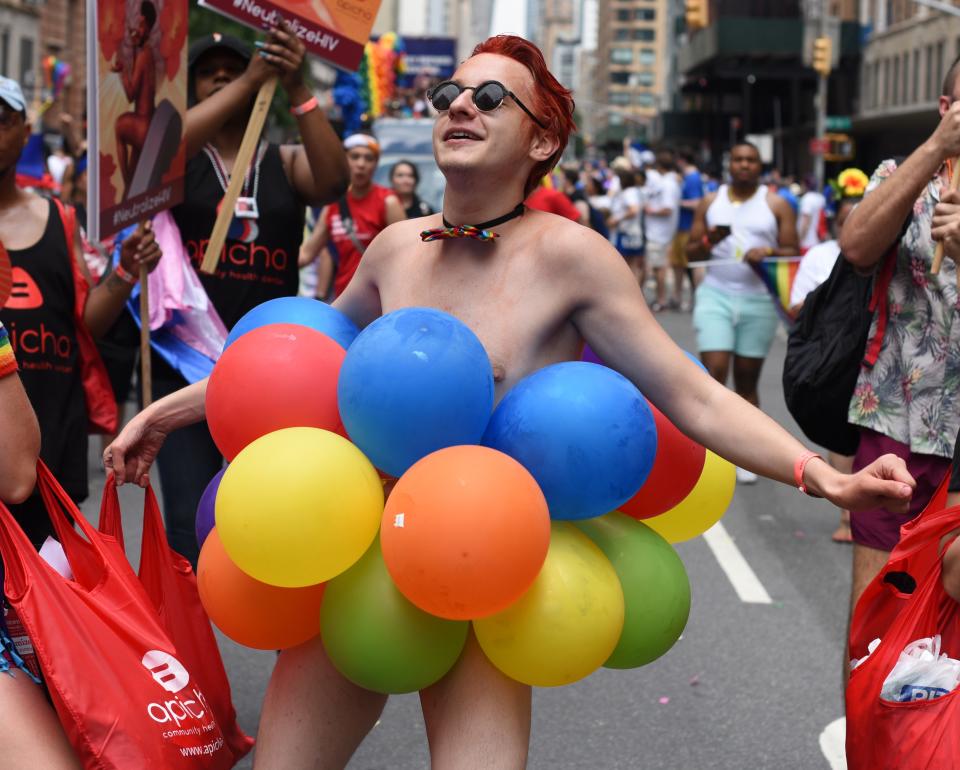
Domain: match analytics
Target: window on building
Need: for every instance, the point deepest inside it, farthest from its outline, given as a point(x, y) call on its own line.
point(938, 84)
point(621, 56)
point(26, 64)
point(648, 56)
point(5, 50)
point(875, 95)
point(620, 78)
point(915, 85)
point(642, 79)
point(894, 90)
point(646, 100)
point(623, 14)
point(928, 80)
point(885, 102)
point(905, 66)
point(619, 97)
point(621, 34)
point(645, 14)
point(644, 35)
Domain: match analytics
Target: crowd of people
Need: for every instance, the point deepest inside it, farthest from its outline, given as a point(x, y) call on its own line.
point(596, 252)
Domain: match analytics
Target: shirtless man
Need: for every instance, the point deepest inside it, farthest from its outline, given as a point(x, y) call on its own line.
point(140, 87)
point(533, 296)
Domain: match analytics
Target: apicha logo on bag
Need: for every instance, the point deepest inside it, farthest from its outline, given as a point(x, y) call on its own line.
point(167, 671)
point(172, 676)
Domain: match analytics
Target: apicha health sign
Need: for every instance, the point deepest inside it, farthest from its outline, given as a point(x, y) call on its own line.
point(333, 30)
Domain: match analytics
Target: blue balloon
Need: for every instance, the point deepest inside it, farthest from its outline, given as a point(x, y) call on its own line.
point(414, 381)
point(584, 432)
point(297, 310)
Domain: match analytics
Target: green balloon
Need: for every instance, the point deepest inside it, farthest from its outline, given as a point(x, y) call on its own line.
point(379, 640)
point(656, 590)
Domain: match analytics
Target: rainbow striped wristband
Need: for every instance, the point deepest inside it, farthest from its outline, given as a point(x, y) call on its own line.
point(8, 363)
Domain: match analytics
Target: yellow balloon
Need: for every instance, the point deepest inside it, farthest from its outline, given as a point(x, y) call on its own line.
point(703, 507)
point(569, 621)
point(298, 506)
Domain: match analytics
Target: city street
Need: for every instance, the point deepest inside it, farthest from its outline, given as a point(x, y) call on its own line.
point(753, 682)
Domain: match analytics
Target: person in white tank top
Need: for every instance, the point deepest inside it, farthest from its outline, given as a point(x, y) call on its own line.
point(733, 313)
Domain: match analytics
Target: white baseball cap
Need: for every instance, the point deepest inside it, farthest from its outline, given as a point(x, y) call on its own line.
point(12, 94)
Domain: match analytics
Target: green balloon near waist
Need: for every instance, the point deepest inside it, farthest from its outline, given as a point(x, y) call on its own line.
point(377, 639)
point(656, 590)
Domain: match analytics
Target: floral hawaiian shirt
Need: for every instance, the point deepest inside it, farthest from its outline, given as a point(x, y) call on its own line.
point(912, 394)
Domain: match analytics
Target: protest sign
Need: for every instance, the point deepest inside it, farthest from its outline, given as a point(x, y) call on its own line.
point(136, 103)
point(333, 30)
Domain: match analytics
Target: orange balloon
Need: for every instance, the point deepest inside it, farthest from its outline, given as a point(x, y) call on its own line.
point(252, 613)
point(465, 532)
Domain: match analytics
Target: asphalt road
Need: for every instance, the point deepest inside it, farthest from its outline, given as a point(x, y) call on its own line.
point(749, 685)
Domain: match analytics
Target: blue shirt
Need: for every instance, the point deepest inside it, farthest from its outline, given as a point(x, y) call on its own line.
point(691, 190)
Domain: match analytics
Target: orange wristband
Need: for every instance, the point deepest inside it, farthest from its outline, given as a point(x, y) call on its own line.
point(799, 467)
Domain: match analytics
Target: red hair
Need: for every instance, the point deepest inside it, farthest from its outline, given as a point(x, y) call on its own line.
point(552, 103)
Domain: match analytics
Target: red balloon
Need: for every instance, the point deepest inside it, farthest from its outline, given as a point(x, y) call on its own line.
point(276, 376)
point(676, 470)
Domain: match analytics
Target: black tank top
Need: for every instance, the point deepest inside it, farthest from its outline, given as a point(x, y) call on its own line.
point(39, 319)
point(259, 259)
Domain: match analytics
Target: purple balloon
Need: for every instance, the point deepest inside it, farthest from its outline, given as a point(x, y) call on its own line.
point(589, 356)
point(205, 510)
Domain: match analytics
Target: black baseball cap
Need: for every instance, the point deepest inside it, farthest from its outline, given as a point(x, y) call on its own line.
point(217, 40)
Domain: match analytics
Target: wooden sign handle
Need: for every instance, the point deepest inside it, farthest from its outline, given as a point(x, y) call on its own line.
point(251, 138)
point(146, 373)
point(938, 254)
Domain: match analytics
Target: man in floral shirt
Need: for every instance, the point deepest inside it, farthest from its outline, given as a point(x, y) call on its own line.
point(909, 402)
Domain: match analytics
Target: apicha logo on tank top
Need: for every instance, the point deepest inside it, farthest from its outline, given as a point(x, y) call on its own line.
point(35, 344)
point(243, 229)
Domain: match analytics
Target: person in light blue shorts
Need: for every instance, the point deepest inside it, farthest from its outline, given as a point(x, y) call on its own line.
point(733, 313)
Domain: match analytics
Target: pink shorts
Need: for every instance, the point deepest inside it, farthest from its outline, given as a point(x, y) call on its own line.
point(878, 527)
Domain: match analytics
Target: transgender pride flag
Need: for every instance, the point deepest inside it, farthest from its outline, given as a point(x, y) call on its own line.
point(778, 274)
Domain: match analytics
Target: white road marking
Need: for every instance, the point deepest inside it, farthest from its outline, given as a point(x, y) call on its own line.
point(833, 742)
point(744, 580)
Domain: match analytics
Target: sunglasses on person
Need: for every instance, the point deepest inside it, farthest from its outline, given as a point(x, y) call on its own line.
point(486, 97)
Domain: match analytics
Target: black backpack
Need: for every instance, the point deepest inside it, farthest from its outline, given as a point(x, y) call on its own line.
point(828, 345)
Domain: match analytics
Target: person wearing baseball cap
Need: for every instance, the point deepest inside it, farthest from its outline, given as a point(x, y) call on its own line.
point(259, 259)
point(12, 95)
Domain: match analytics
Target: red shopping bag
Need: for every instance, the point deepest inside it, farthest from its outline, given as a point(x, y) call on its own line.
point(172, 588)
point(123, 696)
point(912, 558)
point(919, 734)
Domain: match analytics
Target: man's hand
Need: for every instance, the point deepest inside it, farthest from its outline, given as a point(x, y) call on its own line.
point(885, 483)
point(140, 250)
point(717, 234)
point(945, 226)
point(946, 137)
point(758, 254)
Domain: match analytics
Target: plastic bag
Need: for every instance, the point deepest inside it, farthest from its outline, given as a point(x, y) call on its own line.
point(921, 673)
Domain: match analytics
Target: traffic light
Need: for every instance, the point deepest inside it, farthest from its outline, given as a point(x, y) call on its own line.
point(697, 14)
point(823, 55)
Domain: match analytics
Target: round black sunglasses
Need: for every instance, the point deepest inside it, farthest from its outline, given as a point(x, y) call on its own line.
point(487, 96)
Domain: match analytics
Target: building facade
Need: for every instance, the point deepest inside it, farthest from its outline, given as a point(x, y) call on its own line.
point(632, 55)
point(908, 52)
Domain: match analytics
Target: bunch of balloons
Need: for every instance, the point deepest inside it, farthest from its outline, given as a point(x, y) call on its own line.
point(498, 517)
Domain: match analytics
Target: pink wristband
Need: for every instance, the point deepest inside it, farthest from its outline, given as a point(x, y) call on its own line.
point(799, 467)
point(302, 109)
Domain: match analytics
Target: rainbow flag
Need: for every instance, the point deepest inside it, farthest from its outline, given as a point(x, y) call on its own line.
point(778, 275)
